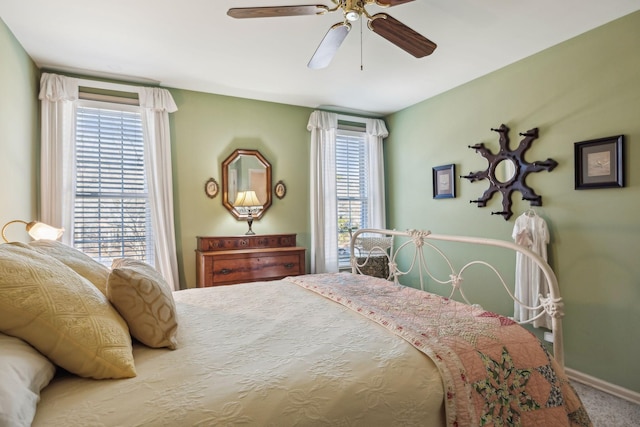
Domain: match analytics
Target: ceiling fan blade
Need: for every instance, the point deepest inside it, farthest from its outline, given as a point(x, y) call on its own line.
point(401, 35)
point(329, 46)
point(273, 11)
point(392, 2)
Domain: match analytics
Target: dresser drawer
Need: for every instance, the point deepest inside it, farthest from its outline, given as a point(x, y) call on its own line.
point(228, 243)
point(256, 266)
point(216, 268)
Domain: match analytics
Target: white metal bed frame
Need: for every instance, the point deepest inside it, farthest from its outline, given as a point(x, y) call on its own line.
point(368, 243)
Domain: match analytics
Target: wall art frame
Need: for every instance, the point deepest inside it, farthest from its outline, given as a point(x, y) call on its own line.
point(211, 188)
point(280, 189)
point(599, 163)
point(444, 183)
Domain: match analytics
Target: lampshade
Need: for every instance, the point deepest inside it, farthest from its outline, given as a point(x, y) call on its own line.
point(247, 199)
point(37, 230)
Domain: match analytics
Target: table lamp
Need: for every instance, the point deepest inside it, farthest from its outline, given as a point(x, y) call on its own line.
point(247, 200)
point(37, 230)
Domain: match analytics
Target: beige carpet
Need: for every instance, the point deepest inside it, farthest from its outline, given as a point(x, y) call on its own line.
point(606, 410)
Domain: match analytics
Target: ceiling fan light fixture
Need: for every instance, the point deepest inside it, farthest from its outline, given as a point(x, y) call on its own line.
point(352, 15)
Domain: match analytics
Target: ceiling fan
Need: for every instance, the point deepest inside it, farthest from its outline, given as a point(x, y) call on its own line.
point(380, 23)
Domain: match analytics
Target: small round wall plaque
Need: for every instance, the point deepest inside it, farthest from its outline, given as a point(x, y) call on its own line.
point(211, 188)
point(280, 190)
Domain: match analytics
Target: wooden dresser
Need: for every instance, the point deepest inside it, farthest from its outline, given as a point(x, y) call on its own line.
point(237, 259)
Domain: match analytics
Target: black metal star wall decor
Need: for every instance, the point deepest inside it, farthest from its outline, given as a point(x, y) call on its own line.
point(514, 159)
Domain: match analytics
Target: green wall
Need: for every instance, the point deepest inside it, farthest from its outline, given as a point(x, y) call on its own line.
point(205, 131)
point(19, 133)
point(585, 88)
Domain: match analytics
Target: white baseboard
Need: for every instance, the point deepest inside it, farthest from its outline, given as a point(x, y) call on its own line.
point(601, 385)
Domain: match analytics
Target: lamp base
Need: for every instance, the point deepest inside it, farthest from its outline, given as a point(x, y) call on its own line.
point(250, 222)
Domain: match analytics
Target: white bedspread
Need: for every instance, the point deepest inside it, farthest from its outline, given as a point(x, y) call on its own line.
point(260, 354)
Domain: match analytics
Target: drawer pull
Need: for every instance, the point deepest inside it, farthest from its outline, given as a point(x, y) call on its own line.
point(225, 271)
point(289, 265)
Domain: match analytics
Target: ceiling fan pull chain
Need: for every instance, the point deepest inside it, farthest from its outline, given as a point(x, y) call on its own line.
point(361, 65)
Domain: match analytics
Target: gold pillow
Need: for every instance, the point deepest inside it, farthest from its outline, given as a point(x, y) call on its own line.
point(78, 261)
point(144, 300)
point(62, 315)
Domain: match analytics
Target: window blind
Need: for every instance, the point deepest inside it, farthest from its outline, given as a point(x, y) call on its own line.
point(351, 186)
point(111, 209)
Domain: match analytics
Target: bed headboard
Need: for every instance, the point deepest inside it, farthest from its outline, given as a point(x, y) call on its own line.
point(383, 249)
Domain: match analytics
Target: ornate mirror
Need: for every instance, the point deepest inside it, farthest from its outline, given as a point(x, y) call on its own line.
point(242, 171)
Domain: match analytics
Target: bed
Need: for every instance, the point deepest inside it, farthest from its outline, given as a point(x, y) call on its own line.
point(333, 349)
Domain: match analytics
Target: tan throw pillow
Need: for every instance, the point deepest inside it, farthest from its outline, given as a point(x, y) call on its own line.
point(144, 300)
point(62, 315)
point(78, 261)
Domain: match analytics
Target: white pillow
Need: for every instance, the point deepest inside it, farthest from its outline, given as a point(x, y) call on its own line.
point(23, 373)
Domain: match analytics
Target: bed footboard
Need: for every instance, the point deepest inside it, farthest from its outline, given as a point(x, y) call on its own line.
point(377, 252)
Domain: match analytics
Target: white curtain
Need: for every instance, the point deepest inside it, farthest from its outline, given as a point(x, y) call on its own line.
point(57, 94)
point(57, 166)
point(324, 210)
point(324, 216)
point(376, 131)
point(156, 104)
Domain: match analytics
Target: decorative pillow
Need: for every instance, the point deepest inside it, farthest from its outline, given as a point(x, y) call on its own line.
point(62, 315)
point(144, 299)
point(78, 261)
point(376, 266)
point(23, 373)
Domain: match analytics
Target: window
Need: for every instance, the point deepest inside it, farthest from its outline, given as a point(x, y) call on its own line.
point(351, 185)
point(111, 205)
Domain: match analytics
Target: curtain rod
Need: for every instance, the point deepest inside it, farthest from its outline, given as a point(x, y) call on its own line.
point(348, 118)
point(109, 86)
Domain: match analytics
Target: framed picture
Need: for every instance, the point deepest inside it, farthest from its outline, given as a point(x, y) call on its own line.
point(211, 188)
point(599, 163)
point(280, 190)
point(444, 185)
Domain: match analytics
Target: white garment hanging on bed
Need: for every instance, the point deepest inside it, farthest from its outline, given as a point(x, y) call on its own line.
point(530, 231)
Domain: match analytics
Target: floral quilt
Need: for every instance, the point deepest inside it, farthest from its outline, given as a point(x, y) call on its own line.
point(494, 372)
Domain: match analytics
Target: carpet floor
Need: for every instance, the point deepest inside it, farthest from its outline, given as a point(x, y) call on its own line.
point(606, 410)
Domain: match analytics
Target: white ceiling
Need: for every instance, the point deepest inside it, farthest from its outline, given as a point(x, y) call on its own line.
point(193, 44)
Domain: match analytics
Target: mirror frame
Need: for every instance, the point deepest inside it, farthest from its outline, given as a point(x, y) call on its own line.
point(225, 182)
